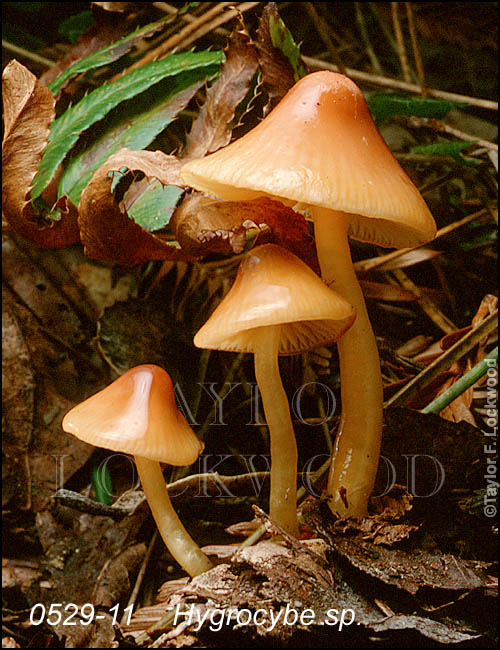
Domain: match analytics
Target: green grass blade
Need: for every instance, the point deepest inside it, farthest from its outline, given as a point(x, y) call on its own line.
point(463, 384)
point(66, 129)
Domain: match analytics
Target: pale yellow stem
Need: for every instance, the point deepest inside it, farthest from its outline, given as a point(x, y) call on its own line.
point(283, 496)
point(178, 541)
point(357, 447)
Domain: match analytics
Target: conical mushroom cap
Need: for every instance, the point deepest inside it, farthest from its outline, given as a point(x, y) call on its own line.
point(274, 287)
point(320, 147)
point(137, 415)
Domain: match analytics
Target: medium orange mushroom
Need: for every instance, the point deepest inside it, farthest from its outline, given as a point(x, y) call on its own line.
point(276, 306)
point(320, 151)
point(137, 415)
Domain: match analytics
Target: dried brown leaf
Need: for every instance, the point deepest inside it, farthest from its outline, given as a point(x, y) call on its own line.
point(107, 232)
point(460, 408)
point(28, 113)
point(204, 225)
point(488, 305)
point(277, 72)
point(212, 129)
point(54, 455)
point(407, 570)
point(290, 230)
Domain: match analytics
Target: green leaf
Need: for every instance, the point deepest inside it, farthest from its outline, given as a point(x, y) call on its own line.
point(106, 55)
point(452, 149)
point(133, 125)
point(384, 106)
point(66, 129)
point(154, 208)
point(444, 148)
point(282, 39)
point(29, 7)
point(74, 26)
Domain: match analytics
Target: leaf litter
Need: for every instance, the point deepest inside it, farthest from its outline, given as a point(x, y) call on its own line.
point(269, 577)
point(29, 109)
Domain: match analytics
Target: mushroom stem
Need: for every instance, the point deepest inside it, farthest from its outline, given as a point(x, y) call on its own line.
point(178, 541)
point(283, 496)
point(357, 447)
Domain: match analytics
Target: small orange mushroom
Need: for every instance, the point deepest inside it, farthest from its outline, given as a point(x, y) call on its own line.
point(137, 415)
point(276, 306)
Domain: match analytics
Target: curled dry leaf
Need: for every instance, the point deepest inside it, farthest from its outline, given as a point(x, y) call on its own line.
point(28, 114)
point(277, 71)
point(204, 225)
point(212, 128)
point(489, 304)
point(107, 232)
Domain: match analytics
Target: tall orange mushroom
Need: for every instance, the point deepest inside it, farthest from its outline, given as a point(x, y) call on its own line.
point(276, 306)
point(320, 151)
point(137, 415)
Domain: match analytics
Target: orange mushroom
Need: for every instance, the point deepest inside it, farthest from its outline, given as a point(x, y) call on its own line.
point(137, 415)
point(277, 305)
point(320, 151)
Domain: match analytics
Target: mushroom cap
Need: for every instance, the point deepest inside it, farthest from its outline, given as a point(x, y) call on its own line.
point(320, 147)
point(137, 415)
point(274, 287)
